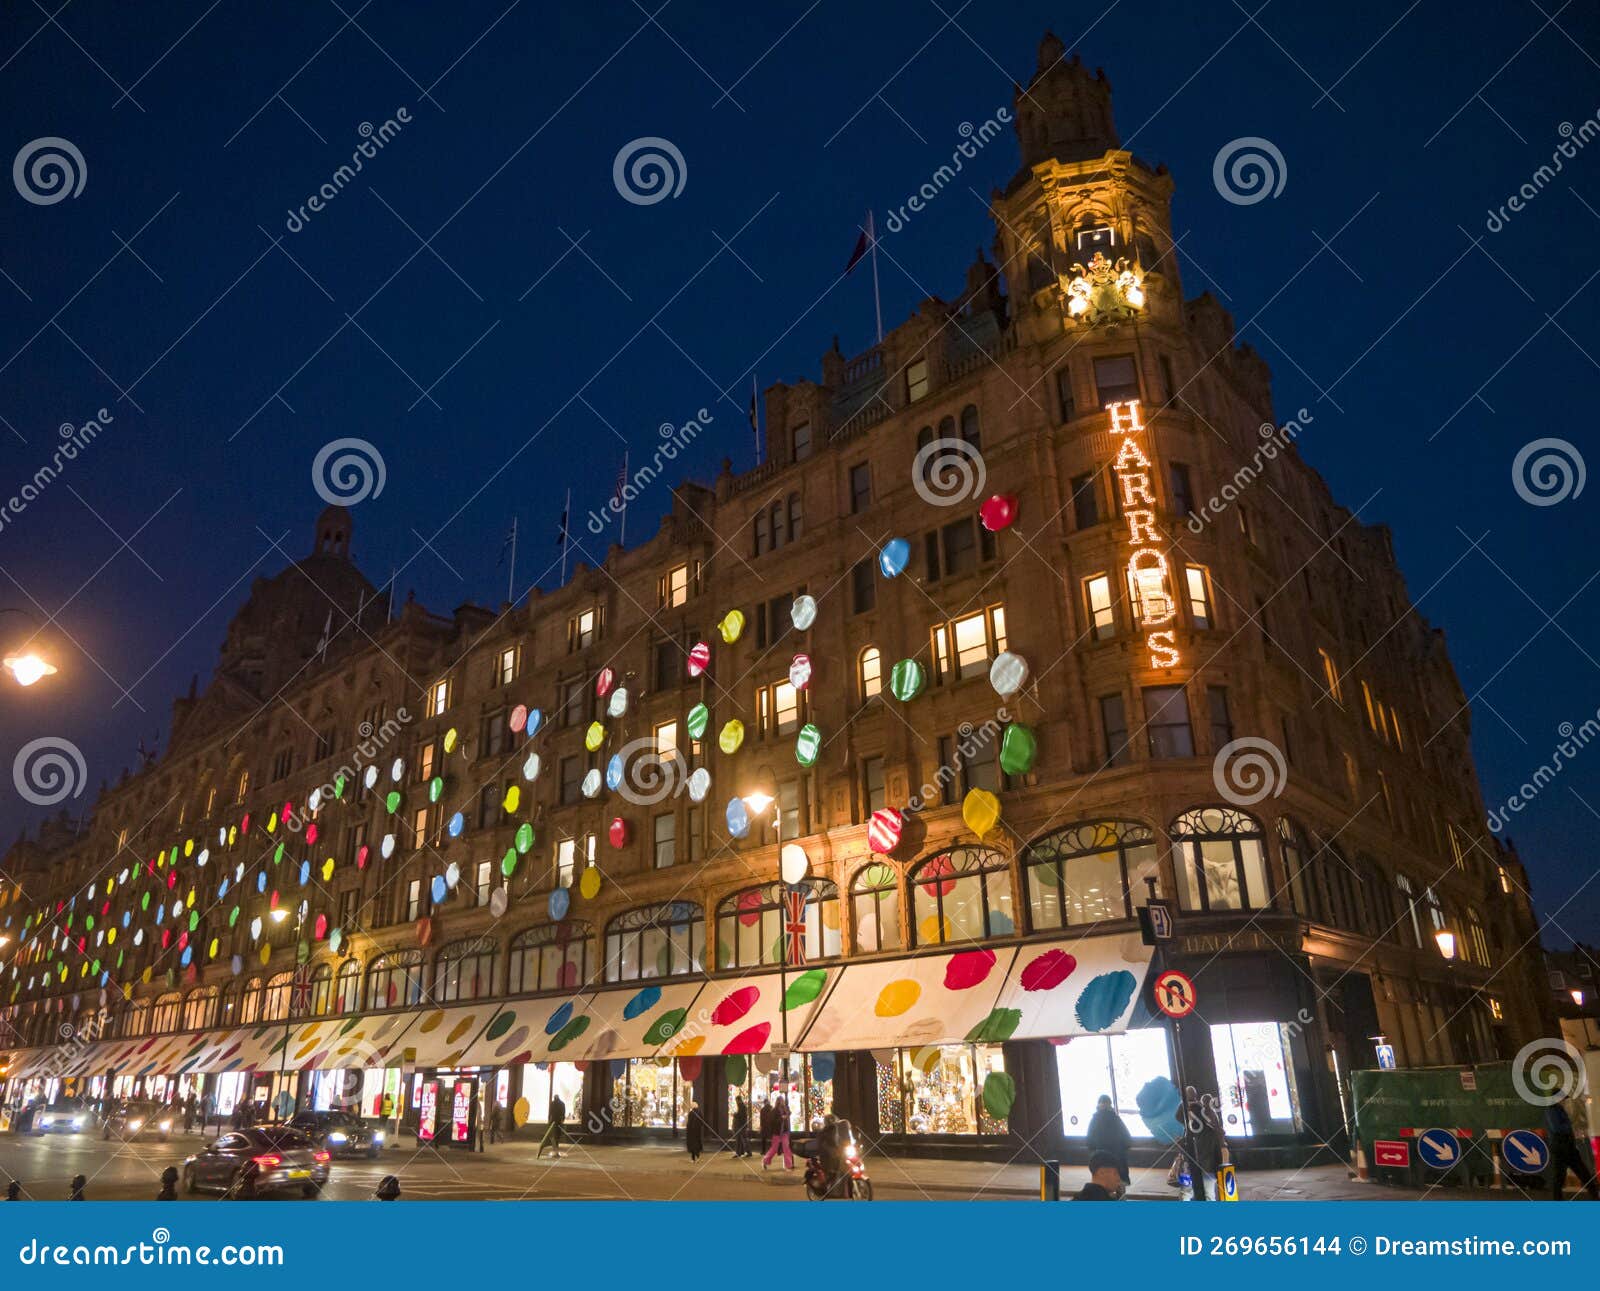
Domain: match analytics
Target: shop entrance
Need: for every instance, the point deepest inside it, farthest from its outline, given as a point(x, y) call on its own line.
point(447, 1105)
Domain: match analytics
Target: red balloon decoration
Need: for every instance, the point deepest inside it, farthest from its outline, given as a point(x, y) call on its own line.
point(618, 833)
point(998, 512)
point(883, 830)
point(699, 658)
point(604, 682)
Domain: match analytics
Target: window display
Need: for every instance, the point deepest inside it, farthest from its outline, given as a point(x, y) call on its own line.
point(542, 1080)
point(1255, 1078)
point(939, 1089)
point(1118, 1065)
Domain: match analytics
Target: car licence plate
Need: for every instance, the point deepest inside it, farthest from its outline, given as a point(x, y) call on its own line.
point(299, 1174)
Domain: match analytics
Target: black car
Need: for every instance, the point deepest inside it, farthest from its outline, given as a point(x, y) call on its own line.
point(341, 1133)
point(251, 1163)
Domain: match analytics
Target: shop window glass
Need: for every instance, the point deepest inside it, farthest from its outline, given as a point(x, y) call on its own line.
point(548, 958)
point(1088, 872)
point(1118, 1066)
point(655, 941)
point(875, 908)
point(1221, 860)
point(1255, 1078)
point(939, 1090)
point(751, 931)
point(961, 895)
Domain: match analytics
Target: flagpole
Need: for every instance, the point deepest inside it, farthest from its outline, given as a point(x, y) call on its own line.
point(566, 533)
point(622, 529)
point(877, 304)
point(755, 416)
point(511, 578)
point(393, 574)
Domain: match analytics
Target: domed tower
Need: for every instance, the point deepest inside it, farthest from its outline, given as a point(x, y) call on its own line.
point(1064, 113)
point(333, 533)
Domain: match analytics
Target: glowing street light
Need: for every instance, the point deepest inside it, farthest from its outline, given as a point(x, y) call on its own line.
point(1577, 996)
point(1447, 942)
point(28, 668)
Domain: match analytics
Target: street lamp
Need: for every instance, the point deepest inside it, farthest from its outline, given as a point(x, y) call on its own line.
point(278, 914)
point(27, 666)
point(758, 803)
point(1577, 996)
point(1447, 942)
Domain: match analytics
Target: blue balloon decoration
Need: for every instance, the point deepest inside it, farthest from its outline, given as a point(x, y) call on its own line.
point(738, 818)
point(305, 873)
point(894, 557)
point(261, 881)
point(441, 889)
point(458, 822)
point(560, 903)
point(643, 1002)
point(236, 964)
point(1105, 999)
point(535, 721)
point(822, 1065)
point(161, 913)
point(222, 888)
point(614, 772)
point(1159, 1103)
point(558, 1019)
point(1000, 924)
point(188, 954)
point(127, 915)
point(105, 976)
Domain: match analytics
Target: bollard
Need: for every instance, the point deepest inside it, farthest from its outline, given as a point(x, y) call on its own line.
point(1050, 1181)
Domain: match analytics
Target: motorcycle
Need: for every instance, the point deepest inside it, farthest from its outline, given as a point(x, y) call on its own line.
point(852, 1182)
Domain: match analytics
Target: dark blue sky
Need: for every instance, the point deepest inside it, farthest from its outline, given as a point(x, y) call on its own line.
point(1430, 349)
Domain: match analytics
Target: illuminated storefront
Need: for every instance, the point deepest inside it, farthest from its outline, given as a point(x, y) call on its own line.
point(939, 1089)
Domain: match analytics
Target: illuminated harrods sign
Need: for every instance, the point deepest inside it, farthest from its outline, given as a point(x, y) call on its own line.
point(1149, 583)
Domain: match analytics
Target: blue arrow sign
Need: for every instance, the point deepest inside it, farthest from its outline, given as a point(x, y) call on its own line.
point(1525, 1151)
point(1438, 1149)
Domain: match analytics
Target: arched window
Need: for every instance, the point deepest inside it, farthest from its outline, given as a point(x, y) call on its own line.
point(166, 1014)
point(1297, 869)
point(869, 673)
point(551, 957)
point(752, 925)
point(321, 998)
point(797, 519)
point(136, 1021)
point(969, 426)
point(275, 999)
point(875, 908)
point(1410, 914)
point(656, 941)
point(464, 970)
point(347, 988)
point(200, 1009)
point(961, 895)
point(395, 979)
point(1220, 857)
point(1087, 873)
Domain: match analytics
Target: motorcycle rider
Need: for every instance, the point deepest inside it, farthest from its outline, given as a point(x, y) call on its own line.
point(833, 1145)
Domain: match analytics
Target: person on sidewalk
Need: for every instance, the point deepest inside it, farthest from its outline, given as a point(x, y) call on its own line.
point(780, 1135)
point(558, 1128)
point(386, 1113)
point(188, 1112)
point(1563, 1137)
point(741, 1127)
point(1207, 1140)
point(694, 1134)
point(1106, 1179)
point(765, 1122)
point(1109, 1135)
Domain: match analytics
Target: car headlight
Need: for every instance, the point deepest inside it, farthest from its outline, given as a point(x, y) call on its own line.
point(338, 1136)
point(133, 1125)
point(165, 1125)
point(77, 1122)
point(377, 1136)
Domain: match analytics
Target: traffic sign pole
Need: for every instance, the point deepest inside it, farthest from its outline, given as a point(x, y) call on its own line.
point(1175, 1039)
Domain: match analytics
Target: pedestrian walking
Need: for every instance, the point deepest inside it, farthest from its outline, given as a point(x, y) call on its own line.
point(556, 1129)
point(741, 1127)
point(386, 1112)
point(1109, 1135)
point(694, 1135)
point(188, 1112)
point(208, 1110)
point(1105, 1180)
point(1563, 1138)
point(1207, 1139)
point(780, 1135)
point(765, 1123)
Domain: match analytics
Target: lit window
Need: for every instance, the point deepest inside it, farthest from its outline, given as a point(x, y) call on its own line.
point(425, 759)
point(871, 673)
point(569, 851)
point(665, 840)
point(1102, 619)
point(244, 786)
point(916, 380)
point(1394, 724)
point(977, 639)
point(675, 587)
point(778, 708)
point(666, 738)
point(1199, 596)
point(1366, 698)
point(1330, 678)
point(439, 697)
point(506, 667)
point(582, 629)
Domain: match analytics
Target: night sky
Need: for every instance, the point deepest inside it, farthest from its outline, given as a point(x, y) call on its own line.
point(548, 320)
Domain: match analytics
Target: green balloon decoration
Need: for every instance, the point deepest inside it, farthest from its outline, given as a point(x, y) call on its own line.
point(996, 1028)
point(392, 801)
point(508, 863)
point(338, 787)
point(435, 788)
point(524, 839)
point(808, 744)
point(999, 1094)
point(735, 1068)
point(804, 988)
point(906, 680)
point(699, 718)
point(1018, 748)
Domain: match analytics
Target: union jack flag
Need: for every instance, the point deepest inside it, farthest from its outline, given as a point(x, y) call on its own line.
point(794, 901)
point(300, 998)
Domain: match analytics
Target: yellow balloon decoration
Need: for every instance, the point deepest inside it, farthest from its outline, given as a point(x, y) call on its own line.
point(732, 736)
point(512, 798)
point(980, 809)
point(589, 883)
point(327, 871)
point(520, 1110)
point(450, 738)
point(595, 736)
point(731, 626)
point(895, 998)
point(188, 847)
point(266, 952)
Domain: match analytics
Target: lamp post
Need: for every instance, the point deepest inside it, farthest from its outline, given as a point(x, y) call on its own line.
point(758, 803)
point(26, 666)
point(1446, 941)
point(278, 915)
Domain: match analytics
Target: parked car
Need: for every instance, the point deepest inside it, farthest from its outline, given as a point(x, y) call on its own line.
point(342, 1133)
point(135, 1118)
point(250, 1163)
point(64, 1117)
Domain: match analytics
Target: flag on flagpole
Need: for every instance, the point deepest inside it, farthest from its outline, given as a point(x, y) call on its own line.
point(859, 254)
point(620, 503)
point(561, 530)
point(755, 417)
point(510, 542)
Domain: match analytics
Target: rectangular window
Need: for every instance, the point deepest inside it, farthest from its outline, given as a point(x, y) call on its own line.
point(960, 542)
point(1102, 617)
point(778, 709)
point(863, 588)
point(1086, 500)
point(413, 905)
point(800, 438)
point(571, 780)
point(666, 827)
point(1199, 596)
point(696, 845)
point(872, 798)
point(981, 769)
point(505, 669)
point(1064, 397)
point(244, 787)
point(916, 380)
point(675, 587)
point(583, 629)
point(1114, 722)
point(485, 883)
point(1169, 387)
point(871, 673)
point(1366, 698)
point(566, 861)
point(493, 737)
point(860, 487)
point(1166, 715)
point(1330, 678)
point(1182, 488)
point(1221, 720)
point(669, 664)
point(789, 813)
point(573, 696)
point(438, 698)
point(666, 739)
point(1115, 379)
point(964, 647)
